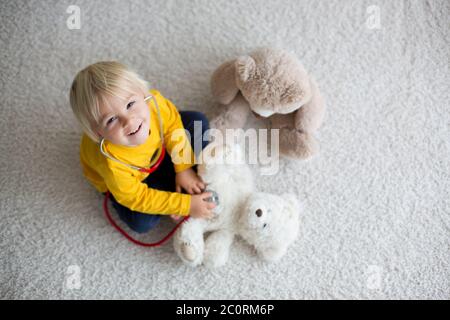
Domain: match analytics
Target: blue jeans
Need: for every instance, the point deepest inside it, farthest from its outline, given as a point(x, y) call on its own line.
point(163, 178)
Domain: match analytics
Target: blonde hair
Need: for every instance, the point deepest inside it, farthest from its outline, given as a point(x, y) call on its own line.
point(92, 84)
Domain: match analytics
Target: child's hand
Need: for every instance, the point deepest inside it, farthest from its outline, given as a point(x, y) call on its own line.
point(189, 181)
point(200, 208)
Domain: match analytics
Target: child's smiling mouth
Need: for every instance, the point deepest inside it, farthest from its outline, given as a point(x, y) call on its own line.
point(136, 131)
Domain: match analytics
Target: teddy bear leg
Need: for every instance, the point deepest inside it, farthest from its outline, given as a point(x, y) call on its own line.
point(217, 248)
point(188, 242)
point(310, 117)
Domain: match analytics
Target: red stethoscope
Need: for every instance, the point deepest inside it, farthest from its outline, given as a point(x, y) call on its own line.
point(152, 167)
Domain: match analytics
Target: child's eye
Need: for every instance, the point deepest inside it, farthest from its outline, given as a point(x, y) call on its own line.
point(110, 121)
point(130, 104)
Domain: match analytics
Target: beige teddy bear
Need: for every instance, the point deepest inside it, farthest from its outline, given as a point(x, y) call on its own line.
point(275, 86)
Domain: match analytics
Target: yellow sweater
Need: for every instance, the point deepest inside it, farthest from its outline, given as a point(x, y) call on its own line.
point(125, 183)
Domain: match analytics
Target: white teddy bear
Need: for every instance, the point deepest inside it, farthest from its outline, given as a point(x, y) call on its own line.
point(268, 222)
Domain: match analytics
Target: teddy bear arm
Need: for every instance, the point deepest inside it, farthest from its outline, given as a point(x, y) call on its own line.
point(310, 116)
point(235, 116)
point(223, 83)
point(217, 248)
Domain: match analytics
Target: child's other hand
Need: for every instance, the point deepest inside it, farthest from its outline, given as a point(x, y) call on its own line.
point(189, 181)
point(200, 208)
point(175, 217)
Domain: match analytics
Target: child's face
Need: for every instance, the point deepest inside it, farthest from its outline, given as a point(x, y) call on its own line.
point(124, 122)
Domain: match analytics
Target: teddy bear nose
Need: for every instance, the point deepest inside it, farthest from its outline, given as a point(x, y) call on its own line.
point(258, 212)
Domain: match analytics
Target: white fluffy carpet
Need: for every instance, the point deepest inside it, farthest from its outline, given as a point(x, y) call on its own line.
point(376, 223)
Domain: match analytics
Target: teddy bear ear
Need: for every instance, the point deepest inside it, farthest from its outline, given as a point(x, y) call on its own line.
point(273, 254)
point(294, 206)
point(245, 67)
point(223, 82)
